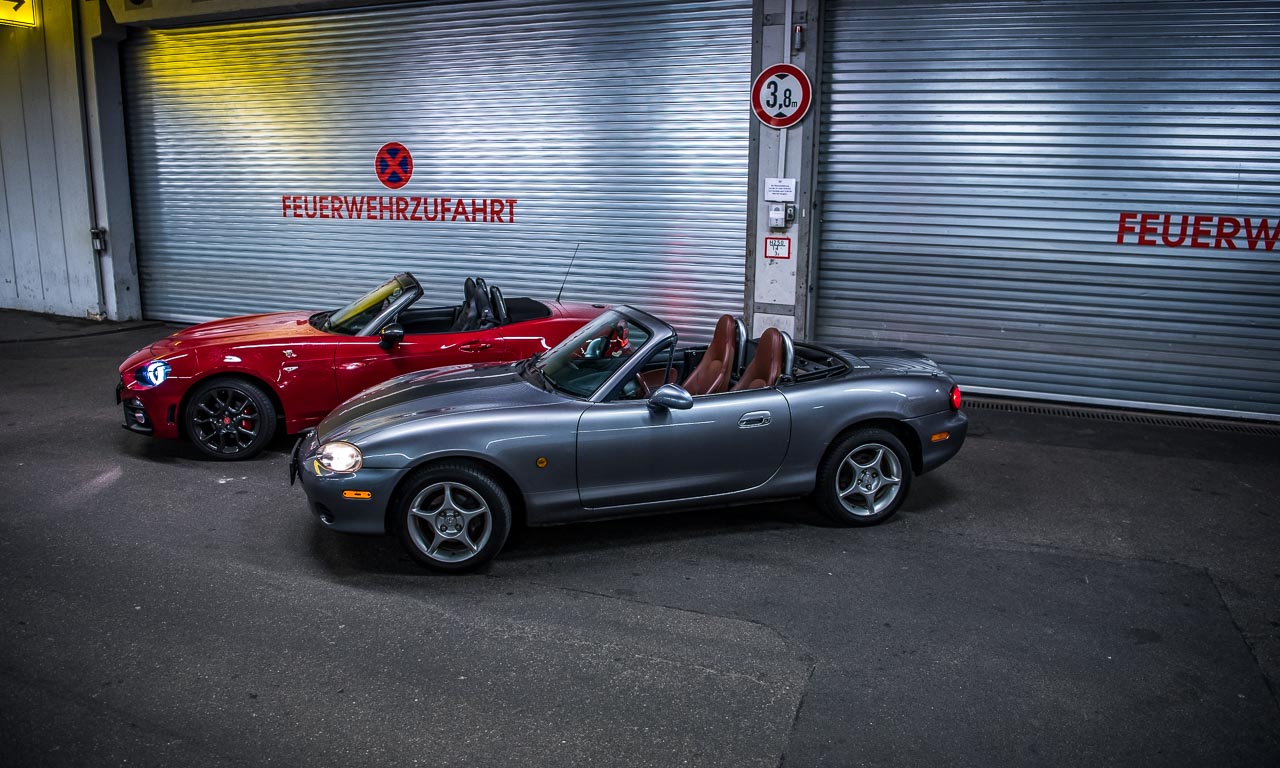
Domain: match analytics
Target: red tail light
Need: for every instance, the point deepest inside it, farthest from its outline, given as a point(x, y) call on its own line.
point(955, 398)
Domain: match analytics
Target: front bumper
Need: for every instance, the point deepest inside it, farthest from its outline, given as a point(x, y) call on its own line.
point(148, 411)
point(934, 454)
point(325, 493)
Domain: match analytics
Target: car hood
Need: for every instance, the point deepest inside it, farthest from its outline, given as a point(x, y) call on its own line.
point(277, 326)
point(429, 394)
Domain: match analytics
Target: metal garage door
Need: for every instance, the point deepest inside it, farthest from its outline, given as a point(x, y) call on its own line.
point(616, 128)
point(1073, 200)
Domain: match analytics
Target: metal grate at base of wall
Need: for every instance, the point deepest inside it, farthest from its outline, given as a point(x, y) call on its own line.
point(1120, 416)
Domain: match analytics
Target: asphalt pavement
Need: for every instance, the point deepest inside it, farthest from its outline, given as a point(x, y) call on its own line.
point(1068, 591)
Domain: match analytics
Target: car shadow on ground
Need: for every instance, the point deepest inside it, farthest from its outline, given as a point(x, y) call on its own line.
point(162, 451)
point(346, 556)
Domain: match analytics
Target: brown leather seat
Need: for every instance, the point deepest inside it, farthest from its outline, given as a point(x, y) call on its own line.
point(715, 368)
point(766, 367)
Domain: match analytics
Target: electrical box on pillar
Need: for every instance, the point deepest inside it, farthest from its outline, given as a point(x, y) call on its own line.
point(781, 215)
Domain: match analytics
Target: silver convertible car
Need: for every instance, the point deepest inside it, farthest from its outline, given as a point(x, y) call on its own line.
point(620, 420)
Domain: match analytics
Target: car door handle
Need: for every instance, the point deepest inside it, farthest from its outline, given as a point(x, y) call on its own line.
point(755, 419)
point(475, 346)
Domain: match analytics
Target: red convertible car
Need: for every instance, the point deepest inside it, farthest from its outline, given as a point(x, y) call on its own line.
point(229, 385)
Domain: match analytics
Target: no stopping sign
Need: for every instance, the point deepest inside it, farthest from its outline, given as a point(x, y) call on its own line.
point(781, 95)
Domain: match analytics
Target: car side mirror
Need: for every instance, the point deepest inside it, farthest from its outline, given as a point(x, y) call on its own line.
point(391, 336)
point(671, 396)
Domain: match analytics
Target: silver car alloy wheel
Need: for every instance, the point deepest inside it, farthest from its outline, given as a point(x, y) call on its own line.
point(869, 479)
point(449, 522)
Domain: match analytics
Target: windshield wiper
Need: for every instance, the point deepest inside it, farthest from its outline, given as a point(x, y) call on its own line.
point(535, 374)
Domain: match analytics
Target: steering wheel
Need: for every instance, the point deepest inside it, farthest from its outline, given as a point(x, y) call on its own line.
point(499, 305)
point(642, 388)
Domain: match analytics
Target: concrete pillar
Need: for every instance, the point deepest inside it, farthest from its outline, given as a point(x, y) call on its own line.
point(779, 278)
point(109, 160)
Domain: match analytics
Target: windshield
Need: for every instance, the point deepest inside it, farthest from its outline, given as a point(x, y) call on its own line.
point(581, 363)
point(352, 318)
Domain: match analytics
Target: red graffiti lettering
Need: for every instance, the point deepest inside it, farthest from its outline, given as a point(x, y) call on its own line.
point(1147, 226)
point(1197, 231)
point(1254, 236)
point(1125, 227)
point(1182, 233)
point(1228, 228)
point(500, 210)
point(1200, 229)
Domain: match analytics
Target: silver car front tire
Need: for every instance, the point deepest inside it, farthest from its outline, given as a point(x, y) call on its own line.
point(453, 517)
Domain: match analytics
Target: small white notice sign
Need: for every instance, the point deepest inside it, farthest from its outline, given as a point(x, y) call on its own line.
point(780, 190)
point(777, 247)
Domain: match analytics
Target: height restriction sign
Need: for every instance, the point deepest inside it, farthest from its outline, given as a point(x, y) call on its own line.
point(780, 95)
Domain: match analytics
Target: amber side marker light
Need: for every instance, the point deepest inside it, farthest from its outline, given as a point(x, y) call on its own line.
point(357, 494)
point(940, 436)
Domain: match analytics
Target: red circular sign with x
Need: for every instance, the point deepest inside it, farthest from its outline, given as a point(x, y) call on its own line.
point(394, 165)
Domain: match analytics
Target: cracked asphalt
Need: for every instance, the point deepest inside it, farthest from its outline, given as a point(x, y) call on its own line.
point(1066, 592)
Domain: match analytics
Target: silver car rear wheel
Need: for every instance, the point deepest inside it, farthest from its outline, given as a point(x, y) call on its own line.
point(864, 477)
point(454, 517)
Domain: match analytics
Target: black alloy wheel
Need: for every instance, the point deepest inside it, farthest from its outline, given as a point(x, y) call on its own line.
point(230, 419)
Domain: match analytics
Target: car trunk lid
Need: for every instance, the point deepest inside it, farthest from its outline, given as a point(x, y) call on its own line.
point(874, 360)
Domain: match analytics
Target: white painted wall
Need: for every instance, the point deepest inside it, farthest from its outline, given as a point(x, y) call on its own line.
point(47, 262)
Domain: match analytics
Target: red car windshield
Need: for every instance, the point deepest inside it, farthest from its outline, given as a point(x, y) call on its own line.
point(353, 318)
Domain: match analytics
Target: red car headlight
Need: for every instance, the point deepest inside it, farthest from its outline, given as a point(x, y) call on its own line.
point(153, 374)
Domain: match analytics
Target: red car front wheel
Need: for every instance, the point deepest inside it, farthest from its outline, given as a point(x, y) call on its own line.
point(230, 419)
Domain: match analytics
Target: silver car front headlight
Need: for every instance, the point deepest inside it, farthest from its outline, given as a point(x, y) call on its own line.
point(340, 456)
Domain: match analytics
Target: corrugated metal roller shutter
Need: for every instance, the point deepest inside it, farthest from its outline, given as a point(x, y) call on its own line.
point(975, 162)
point(619, 127)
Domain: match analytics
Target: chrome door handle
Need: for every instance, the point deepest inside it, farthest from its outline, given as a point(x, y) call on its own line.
point(755, 419)
point(475, 346)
